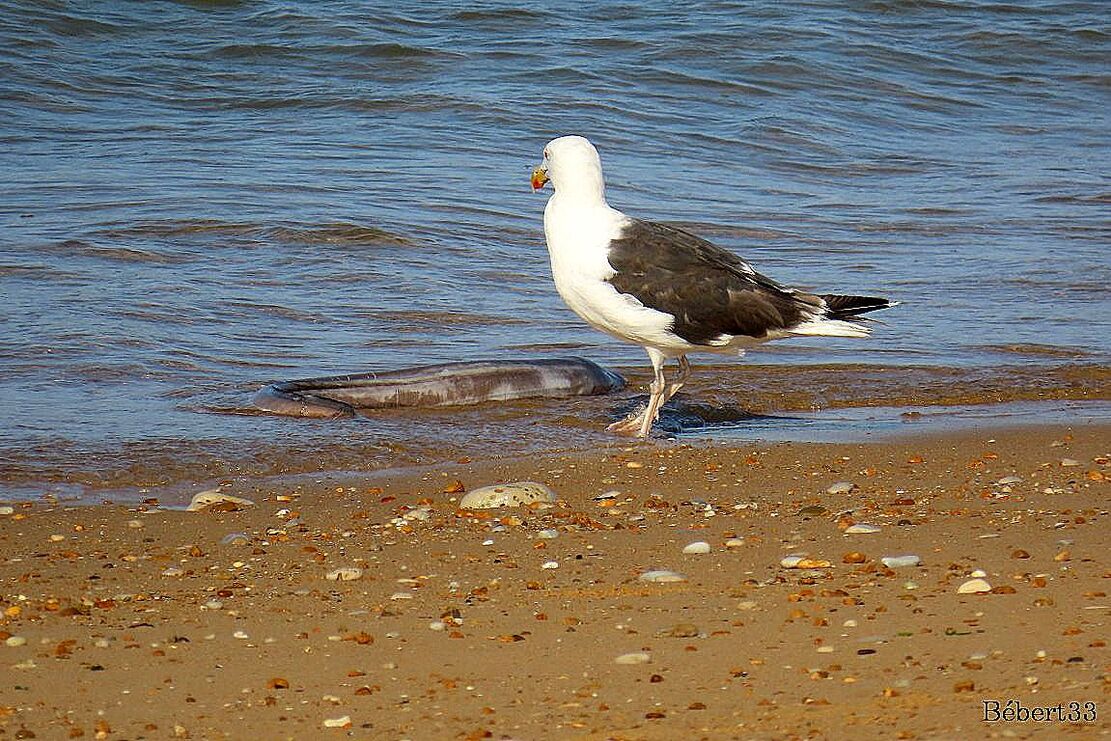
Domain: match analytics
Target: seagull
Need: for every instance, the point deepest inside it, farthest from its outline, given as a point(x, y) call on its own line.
point(663, 288)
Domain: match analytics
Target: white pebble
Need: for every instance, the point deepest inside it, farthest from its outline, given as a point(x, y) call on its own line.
point(662, 576)
point(173, 571)
point(214, 604)
point(57, 538)
point(350, 573)
point(895, 562)
point(341, 722)
point(1070, 462)
point(550, 565)
point(638, 657)
point(862, 528)
point(135, 524)
point(6, 510)
point(734, 543)
point(974, 586)
point(746, 604)
point(548, 534)
point(841, 487)
point(697, 547)
point(401, 595)
point(978, 574)
point(517, 494)
point(437, 625)
point(825, 649)
point(240, 634)
point(850, 623)
point(15, 641)
point(1008, 480)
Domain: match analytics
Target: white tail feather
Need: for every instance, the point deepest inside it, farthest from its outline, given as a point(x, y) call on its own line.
point(830, 328)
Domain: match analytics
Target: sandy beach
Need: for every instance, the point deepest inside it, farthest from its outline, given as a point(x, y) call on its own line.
point(539, 622)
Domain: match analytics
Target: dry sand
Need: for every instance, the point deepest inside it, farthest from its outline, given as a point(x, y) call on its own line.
point(139, 622)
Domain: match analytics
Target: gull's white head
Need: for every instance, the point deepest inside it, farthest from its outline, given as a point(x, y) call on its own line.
point(572, 165)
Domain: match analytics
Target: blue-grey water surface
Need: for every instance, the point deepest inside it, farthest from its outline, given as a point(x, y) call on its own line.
point(198, 197)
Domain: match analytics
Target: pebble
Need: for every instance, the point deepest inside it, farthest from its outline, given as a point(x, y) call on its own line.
point(437, 625)
point(1008, 480)
point(350, 573)
point(813, 510)
point(862, 528)
point(894, 562)
point(803, 562)
point(734, 543)
point(1070, 462)
point(662, 576)
point(241, 635)
point(550, 565)
point(214, 604)
point(401, 595)
point(57, 538)
point(978, 574)
point(841, 487)
point(135, 524)
point(974, 586)
point(516, 494)
point(173, 571)
point(697, 547)
point(235, 539)
point(680, 630)
point(548, 534)
point(213, 498)
point(15, 641)
point(341, 722)
point(747, 604)
point(6, 510)
point(638, 657)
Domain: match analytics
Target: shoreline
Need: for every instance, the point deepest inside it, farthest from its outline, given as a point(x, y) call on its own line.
point(166, 623)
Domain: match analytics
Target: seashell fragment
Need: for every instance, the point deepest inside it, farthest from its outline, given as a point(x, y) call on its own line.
point(862, 528)
point(895, 562)
point(213, 500)
point(697, 547)
point(841, 487)
point(974, 586)
point(662, 576)
point(350, 573)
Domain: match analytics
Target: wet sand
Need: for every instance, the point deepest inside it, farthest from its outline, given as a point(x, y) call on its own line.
point(145, 622)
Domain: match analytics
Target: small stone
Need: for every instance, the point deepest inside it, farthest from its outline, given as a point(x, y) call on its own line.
point(549, 565)
point(213, 604)
point(6, 510)
point(173, 571)
point(697, 547)
point(803, 562)
point(349, 573)
point(1020, 554)
point(135, 524)
point(895, 562)
point(517, 494)
point(841, 487)
point(854, 557)
point(240, 634)
point(662, 576)
point(638, 657)
point(1008, 480)
point(235, 539)
point(1063, 556)
point(344, 721)
point(437, 625)
point(1070, 462)
point(681, 630)
point(549, 534)
point(747, 604)
point(401, 595)
point(974, 586)
point(212, 499)
point(978, 574)
point(734, 543)
point(15, 641)
point(57, 538)
point(862, 528)
point(813, 510)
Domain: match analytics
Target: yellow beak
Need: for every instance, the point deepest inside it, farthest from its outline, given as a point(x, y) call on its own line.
point(539, 177)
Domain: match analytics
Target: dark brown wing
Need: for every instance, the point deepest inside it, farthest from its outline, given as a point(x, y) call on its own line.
point(709, 290)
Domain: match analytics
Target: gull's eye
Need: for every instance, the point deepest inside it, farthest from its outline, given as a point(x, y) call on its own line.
point(547, 154)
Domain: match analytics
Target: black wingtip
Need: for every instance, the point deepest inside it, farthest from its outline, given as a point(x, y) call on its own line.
point(845, 307)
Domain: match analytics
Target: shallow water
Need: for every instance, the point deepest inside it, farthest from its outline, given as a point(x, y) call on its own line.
point(201, 197)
